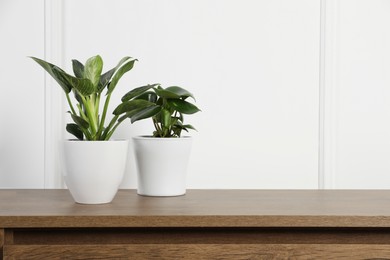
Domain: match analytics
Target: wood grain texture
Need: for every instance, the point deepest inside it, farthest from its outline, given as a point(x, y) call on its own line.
point(200, 208)
point(204, 224)
point(199, 251)
point(1, 243)
point(8, 237)
point(89, 236)
point(1, 237)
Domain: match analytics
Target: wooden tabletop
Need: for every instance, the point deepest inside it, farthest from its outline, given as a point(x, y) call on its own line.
point(200, 208)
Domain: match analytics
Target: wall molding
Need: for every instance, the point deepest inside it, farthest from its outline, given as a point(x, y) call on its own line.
point(54, 119)
point(328, 85)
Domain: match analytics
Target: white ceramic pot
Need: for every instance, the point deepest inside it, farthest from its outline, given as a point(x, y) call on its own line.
point(162, 165)
point(93, 170)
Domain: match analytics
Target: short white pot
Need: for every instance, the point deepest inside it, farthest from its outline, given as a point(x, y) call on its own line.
point(93, 170)
point(162, 165)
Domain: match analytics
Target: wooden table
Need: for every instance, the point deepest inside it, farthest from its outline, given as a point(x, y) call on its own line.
point(204, 224)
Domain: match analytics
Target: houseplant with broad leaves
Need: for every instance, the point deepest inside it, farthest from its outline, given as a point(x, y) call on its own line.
point(93, 164)
point(162, 157)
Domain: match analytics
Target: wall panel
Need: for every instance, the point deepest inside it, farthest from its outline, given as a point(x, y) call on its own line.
point(22, 94)
point(359, 98)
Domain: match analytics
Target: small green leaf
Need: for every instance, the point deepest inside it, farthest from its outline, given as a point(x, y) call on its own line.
point(137, 91)
point(131, 105)
point(78, 69)
point(75, 130)
point(62, 81)
point(189, 127)
point(183, 106)
point(83, 124)
point(93, 69)
point(105, 79)
point(176, 130)
point(145, 113)
point(180, 92)
point(122, 70)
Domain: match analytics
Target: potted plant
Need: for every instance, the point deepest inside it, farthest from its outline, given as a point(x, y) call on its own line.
point(93, 163)
point(162, 158)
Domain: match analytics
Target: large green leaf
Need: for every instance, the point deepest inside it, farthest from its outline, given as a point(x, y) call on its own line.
point(183, 106)
point(83, 86)
point(145, 113)
point(78, 69)
point(131, 105)
point(93, 69)
point(105, 78)
point(83, 124)
point(75, 130)
point(129, 114)
point(180, 92)
point(166, 93)
point(149, 96)
point(122, 70)
point(62, 81)
point(137, 91)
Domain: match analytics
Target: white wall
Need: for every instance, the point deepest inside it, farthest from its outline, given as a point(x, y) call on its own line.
point(252, 65)
point(359, 97)
point(280, 83)
point(22, 94)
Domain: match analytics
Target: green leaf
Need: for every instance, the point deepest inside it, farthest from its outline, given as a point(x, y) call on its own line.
point(129, 114)
point(145, 113)
point(176, 130)
point(189, 127)
point(131, 105)
point(65, 85)
point(78, 69)
point(78, 97)
point(83, 86)
point(75, 130)
point(105, 78)
point(93, 69)
point(183, 106)
point(122, 70)
point(149, 96)
point(180, 92)
point(165, 118)
point(137, 91)
point(166, 93)
point(83, 124)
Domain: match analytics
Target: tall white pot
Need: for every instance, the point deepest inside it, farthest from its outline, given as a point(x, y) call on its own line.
point(162, 165)
point(93, 170)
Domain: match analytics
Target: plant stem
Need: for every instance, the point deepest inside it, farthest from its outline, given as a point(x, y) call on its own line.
point(158, 129)
point(70, 104)
point(101, 125)
point(90, 115)
point(112, 131)
point(87, 134)
point(110, 125)
point(81, 112)
point(97, 104)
